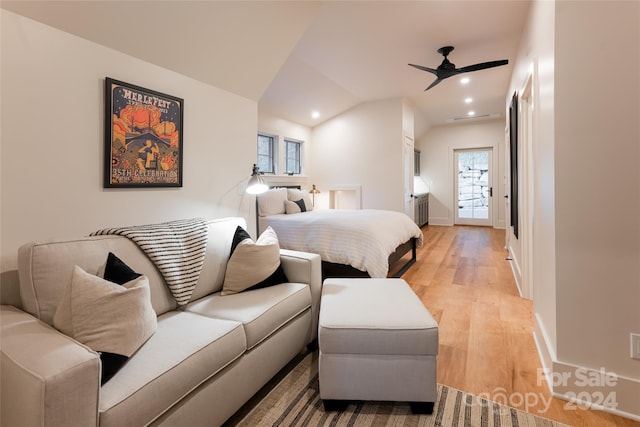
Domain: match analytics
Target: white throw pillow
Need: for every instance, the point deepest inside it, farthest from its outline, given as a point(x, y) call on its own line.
point(253, 264)
point(272, 202)
point(105, 316)
point(294, 194)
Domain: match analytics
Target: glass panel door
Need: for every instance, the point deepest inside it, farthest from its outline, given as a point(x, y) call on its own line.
point(473, 187)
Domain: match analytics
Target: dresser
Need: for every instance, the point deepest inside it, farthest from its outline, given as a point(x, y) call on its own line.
point(421, 209)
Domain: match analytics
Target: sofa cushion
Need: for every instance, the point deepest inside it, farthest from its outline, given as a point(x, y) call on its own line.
point(253, 265)
point(111, 319)
point(45, 270)
point(261, 311)
point(186, 350)
point(45, 267)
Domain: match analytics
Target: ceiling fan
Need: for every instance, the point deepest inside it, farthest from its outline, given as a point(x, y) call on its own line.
point(448, 69)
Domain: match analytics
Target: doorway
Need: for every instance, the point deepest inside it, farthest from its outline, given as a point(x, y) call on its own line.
point(473, 186)
point(408, 153)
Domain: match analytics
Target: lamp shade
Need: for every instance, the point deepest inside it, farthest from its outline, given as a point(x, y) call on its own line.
point(256, 184)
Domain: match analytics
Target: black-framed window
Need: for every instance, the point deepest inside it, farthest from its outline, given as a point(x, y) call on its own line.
point(267, 149)
point(293, 164)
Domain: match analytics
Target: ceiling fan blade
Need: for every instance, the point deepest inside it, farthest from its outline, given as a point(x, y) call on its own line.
point(435, 82)
point(420, 67)
point(483, 66)
point(448, 69)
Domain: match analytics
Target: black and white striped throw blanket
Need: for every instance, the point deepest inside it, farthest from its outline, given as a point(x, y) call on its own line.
point(177, 248)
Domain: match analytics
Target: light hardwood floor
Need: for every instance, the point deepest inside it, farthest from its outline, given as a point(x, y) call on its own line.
point(486, 329)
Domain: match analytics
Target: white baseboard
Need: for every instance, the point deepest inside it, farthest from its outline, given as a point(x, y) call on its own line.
point(517, 273)
point(449, 223)
point(596, 389)
point(440, 221)
point(584, 388)
point(546, 352)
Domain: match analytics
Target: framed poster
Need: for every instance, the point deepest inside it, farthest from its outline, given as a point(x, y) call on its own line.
point(143, 137)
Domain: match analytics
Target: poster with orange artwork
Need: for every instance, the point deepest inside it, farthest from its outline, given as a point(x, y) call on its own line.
point(143, 137)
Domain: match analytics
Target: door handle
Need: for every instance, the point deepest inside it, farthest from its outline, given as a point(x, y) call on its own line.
point(490, 191)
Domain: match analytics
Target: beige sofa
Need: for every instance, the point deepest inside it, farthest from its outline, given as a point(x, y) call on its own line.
point(204, 361)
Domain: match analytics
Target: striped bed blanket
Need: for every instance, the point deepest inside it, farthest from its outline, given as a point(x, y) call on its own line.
point(177, 248)
point(361, 238)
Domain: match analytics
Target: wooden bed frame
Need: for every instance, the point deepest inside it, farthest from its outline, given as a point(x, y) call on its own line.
point(331, 269)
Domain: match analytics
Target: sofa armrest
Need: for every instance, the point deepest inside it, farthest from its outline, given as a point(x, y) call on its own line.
point(305, 267)
point(47, 378)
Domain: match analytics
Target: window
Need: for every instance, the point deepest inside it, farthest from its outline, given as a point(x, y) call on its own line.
point(270, 162)
point(292, 159)
point(416, 162)
point(267, 153)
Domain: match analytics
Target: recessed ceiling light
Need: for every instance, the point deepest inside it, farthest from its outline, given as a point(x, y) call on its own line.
point(471, 113)
point(315, 114)
point(465, 80)
point(468, 100)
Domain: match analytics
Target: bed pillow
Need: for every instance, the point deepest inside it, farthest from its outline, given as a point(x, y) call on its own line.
point(253, 265)
point(295, 207)
point(111, 319)
point(294, 194)
point(272, 202)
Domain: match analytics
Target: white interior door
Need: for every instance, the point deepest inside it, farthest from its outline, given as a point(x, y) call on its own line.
point(473, 187)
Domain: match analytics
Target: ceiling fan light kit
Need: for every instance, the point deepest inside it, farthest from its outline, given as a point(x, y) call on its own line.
point(448, 69)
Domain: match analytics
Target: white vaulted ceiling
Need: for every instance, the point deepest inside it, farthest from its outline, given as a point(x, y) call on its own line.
point(293, 57)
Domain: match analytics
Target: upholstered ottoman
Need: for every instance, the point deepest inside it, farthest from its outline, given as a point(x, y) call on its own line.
point(377, 342)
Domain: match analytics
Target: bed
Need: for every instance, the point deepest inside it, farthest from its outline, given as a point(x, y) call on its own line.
point(351, 242)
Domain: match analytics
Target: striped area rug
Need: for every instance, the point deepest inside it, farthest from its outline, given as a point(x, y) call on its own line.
point(295, 401)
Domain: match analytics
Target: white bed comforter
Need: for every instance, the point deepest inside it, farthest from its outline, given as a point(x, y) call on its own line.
point(362, 238)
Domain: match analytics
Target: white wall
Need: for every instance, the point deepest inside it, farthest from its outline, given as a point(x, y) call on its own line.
point(408, 118)
point(597, 134)
point(586, 239)
point(362, 147)
point(52, 138)
point(437, 165)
